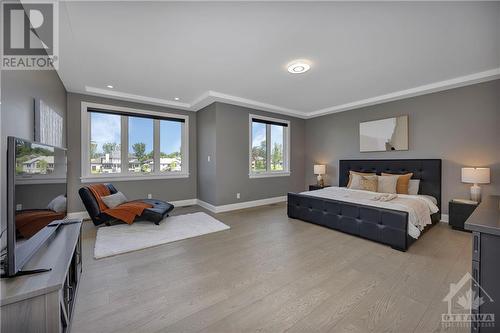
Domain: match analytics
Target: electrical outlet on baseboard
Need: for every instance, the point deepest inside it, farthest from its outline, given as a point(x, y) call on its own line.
point(150, 196)
point(238, 196)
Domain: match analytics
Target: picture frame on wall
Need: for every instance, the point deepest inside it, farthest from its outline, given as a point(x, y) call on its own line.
point(48, 124)
point(388, 134)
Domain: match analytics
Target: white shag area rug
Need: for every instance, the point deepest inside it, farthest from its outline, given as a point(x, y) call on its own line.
point(124, 238)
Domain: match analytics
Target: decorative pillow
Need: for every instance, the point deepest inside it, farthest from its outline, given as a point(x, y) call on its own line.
point(413, 186)
point(402, 183)
point(351, 173)
point(58, 204)
point(355, 182)
point(387, 184)
point(369, 183)
point(114, 200)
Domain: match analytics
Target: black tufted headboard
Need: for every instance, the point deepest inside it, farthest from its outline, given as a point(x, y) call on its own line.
point(427, 170)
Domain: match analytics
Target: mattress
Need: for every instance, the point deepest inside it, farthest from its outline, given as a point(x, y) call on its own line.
point(418, 207)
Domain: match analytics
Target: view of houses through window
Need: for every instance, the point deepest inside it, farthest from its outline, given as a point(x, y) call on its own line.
point(268, 147)
point(105, 147)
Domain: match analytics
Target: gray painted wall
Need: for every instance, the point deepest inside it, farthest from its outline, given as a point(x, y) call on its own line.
point(461, 126)
point(19, 90)
point(232, 158)
point(166, 189)
point(206, 136)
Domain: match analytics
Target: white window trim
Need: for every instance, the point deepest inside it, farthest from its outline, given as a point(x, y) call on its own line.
point(88, 177)
point(286, 149)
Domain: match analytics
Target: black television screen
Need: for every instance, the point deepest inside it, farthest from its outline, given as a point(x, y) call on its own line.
point(37, 181)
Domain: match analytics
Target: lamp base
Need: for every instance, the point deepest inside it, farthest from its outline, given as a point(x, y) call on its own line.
point(475, 193)
point(320, 182)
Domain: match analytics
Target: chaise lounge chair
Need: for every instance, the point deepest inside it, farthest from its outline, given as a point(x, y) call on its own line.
point(154, 214)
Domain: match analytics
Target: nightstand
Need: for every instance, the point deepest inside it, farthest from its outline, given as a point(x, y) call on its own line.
point(459, 211)
point(317, 187)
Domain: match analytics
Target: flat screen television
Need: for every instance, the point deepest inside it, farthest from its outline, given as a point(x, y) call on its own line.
point(36, 197)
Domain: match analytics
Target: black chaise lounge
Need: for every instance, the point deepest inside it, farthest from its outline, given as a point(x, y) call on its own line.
point(154, 214)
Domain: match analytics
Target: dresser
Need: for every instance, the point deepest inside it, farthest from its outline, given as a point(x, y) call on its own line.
point(485, 226)
point(44, 302)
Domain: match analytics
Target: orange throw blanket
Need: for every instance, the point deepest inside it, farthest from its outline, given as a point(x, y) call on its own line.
point(126, 212)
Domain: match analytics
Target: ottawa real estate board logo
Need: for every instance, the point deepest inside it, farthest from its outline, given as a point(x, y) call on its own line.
point(465, 298)
point(30, 35)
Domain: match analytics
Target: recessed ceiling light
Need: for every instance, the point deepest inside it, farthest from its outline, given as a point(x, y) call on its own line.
point(299, 66)
point(109, 86)
point(176, 98)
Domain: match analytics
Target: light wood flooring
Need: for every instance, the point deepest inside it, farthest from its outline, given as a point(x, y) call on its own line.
point(269, 273)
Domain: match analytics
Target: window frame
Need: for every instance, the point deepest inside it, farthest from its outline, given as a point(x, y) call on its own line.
point(125, 174)
point(286, 148)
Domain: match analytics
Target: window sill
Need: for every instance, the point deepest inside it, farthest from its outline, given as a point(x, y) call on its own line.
point(269, 174)
point(94, 179)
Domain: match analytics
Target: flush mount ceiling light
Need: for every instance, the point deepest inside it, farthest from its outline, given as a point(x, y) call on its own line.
point(176, 98)
point(109, 86)
point(299, 66)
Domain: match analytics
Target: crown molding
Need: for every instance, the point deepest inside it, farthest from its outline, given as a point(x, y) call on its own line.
point(137, 98)
point(210, 97)
point(457, 82)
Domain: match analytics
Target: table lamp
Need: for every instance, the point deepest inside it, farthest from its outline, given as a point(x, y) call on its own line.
point(476, 176)
point(320, 170)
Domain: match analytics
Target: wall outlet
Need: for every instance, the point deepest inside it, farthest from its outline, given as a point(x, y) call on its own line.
point(19, 207)
point(208, 158)
point(150, 196)
point(238, 196)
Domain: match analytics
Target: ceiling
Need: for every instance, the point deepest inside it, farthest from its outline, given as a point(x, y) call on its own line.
point(237, 52)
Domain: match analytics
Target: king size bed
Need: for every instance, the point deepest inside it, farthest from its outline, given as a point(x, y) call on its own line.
point(397, 223)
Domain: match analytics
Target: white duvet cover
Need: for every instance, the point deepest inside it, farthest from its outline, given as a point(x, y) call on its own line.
point(419, 207)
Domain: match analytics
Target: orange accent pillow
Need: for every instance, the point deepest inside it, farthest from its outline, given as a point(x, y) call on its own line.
point(358, 173)
point(402, 183)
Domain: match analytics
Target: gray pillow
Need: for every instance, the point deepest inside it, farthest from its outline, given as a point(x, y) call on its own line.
point(114, 200)
point(58, 204)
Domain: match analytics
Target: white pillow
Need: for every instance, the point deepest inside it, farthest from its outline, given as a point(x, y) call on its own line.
point(356, 182)
point(387, 184)
point(58, 204)
point(114, 200)
point(413, 186)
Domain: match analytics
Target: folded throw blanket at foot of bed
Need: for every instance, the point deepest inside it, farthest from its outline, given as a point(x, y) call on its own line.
point(385, 197)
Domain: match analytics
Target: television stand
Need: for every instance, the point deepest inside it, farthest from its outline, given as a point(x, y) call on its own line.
point(27, 272)
point(44, 302)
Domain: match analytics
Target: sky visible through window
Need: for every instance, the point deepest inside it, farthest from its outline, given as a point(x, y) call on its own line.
point(140, 130)
point(170, 136)
point(105, 128)
point(259, 134)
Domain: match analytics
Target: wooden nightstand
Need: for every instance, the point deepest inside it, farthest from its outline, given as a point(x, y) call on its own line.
point(459, 211)
point(316, 187)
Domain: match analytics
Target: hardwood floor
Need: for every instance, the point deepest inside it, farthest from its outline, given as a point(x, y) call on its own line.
point(269, 273)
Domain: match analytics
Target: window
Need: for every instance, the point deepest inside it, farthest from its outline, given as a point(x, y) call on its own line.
point(125, 144)
point(105, 138)
point(170, 146)
point(140, 145)
point(269, 147)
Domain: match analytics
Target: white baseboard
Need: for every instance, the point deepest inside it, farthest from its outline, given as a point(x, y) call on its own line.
point(78, 215)
point(182, 203)
point(179, 203)
point(207, 206)
point(214, 209)
point(240, 205)
point(445, 218)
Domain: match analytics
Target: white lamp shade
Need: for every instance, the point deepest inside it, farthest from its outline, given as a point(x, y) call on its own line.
point(476, 175)
point(319, 169)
